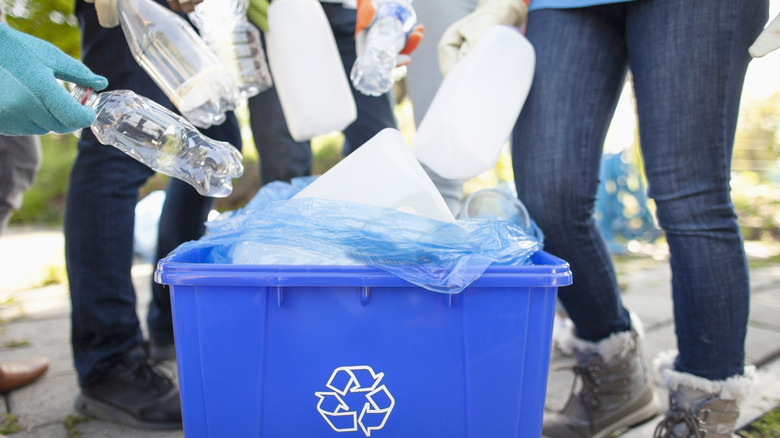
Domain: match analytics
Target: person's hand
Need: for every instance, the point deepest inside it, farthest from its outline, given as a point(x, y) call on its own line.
point(768, 40)
point(462, 35)
point(32, 102)
point(183, 5)
point(258, 13)
point(366, 10)
point(108, 15)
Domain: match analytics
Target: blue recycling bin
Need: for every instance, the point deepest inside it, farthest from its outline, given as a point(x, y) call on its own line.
point(352, 351)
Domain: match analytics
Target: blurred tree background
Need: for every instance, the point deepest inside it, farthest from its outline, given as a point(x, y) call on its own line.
point(50, 20)
point(756, 169)
point(756, 164)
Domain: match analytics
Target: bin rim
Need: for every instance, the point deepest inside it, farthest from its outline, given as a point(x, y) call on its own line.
point(183, 269)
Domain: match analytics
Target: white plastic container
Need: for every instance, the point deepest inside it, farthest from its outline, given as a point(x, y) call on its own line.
point(306, 67)
point(384, 173)
point(476, 107)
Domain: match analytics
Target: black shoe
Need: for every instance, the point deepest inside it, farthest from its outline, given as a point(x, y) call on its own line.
point(161, 349)
point(133, 393)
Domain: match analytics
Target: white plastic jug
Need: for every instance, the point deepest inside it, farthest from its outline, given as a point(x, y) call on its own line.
point(306, 67)
point(384, 173)
point(476, 107)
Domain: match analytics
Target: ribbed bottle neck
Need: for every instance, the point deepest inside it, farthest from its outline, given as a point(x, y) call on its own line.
point(84, 95)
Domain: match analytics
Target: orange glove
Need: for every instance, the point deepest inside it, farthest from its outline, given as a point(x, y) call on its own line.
point(366, 11)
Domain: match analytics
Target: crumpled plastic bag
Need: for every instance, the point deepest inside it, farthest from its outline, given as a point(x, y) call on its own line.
point(438, 256)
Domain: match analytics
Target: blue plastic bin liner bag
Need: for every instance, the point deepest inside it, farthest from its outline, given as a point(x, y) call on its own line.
point(438, 256)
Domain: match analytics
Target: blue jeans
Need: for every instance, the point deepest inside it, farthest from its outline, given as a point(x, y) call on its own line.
point(688, 62)
point(99, 217)
point(281, 157)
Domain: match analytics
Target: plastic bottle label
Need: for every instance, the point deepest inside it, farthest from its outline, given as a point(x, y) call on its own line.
point(399, 12)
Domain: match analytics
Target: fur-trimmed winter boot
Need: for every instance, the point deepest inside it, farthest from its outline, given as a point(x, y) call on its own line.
point(615, 391)
point(699, 407)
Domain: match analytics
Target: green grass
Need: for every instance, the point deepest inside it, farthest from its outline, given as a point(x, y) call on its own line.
point(54, 275)
point(763, 263)
point(9, 424)
point(44, 202)
point(17, 343)
point(70, 423)
point(767, 426)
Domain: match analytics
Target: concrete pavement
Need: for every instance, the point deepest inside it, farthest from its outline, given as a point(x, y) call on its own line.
point(34, 321)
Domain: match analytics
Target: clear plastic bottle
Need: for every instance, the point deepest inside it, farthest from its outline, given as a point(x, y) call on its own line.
point(178, 60)
point(372, 73)
point(224, 27)
point(495, 203)
point(164, 141)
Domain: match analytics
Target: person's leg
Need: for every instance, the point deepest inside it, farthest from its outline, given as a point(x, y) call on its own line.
point(688, 74)
point(374, 113)
point(281, 157)
point(182, 219)
point(557, 146)
point(99, 217)
point(20, 159)
point(689, 65)
point(117, 383)
point(98, 226)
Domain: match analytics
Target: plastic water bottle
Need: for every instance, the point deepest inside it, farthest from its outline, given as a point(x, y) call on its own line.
point(372, 73)
point(224, 27)
point(309, 76)
point(476, 106)
point(162, 140)
point(178, 60)
point(495, 204)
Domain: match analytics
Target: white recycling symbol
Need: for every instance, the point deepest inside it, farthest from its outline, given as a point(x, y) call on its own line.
point(375, 406)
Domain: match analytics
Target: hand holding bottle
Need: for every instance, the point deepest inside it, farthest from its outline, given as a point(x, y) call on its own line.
point(183, 5)
point(366, 14)
point(386, 43)
point(462, 35)
point(109, 17)
point(32, 101)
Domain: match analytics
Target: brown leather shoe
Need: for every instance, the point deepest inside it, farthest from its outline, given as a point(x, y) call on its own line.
point(17, 374)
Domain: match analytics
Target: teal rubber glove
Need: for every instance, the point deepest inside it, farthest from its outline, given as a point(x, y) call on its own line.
point(32, 102)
